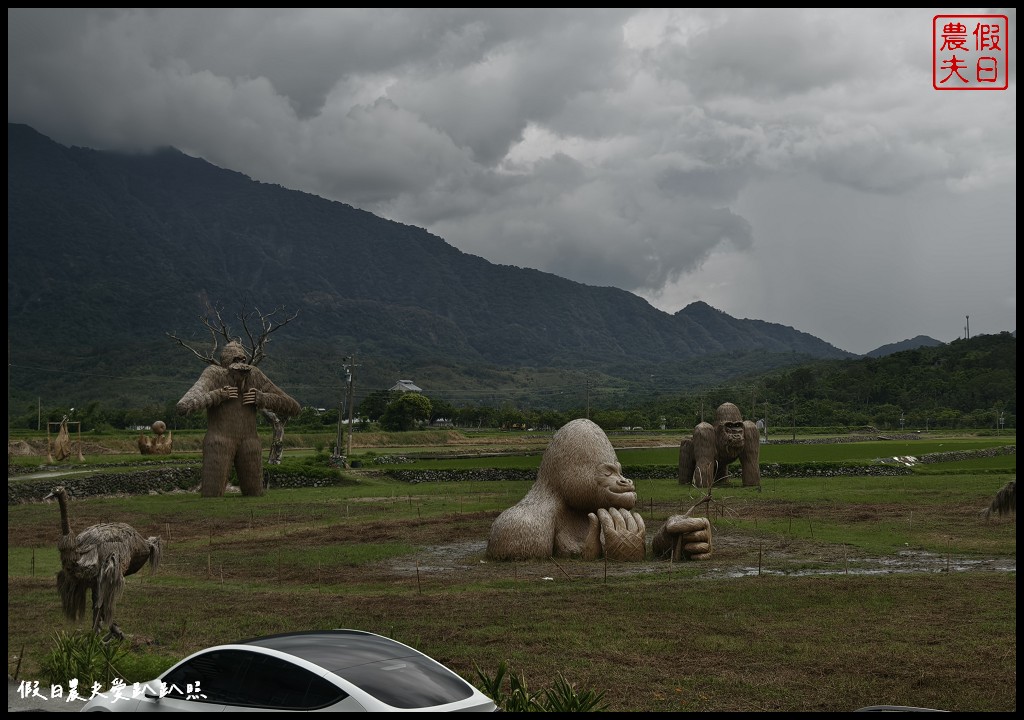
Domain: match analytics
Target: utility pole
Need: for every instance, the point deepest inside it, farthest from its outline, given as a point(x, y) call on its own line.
point(766, 420)
point(794, 418)
point(967, 329)
point(350, 376)
point(341, 414)
point(346, 399)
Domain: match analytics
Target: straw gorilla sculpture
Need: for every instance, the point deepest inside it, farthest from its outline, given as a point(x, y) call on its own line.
point(579, 506)
point(704, 458)
point(232, 393)
point(161, 443)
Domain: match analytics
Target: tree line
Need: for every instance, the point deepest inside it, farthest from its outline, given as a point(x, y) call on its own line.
point(963, 384)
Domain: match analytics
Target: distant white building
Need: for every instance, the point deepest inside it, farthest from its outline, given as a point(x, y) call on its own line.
point(404, 386)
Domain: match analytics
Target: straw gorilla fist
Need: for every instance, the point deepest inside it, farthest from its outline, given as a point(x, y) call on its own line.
point(683, 537)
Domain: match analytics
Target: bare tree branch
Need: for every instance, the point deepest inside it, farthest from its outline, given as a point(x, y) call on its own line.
point(220, 328)
point(267, 327)
point(207, 358)
point(257, 326)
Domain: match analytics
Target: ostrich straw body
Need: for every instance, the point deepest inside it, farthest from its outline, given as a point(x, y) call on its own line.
point(98, 559)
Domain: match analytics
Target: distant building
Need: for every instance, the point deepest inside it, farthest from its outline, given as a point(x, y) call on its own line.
point(404, 386)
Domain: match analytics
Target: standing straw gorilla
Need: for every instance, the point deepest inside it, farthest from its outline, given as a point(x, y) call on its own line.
point(232, 393)
point(704, 458)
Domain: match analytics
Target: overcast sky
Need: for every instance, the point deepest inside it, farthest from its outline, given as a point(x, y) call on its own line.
point(794, 166)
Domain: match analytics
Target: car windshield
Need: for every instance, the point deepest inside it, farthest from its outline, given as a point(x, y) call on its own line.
point(409, 682)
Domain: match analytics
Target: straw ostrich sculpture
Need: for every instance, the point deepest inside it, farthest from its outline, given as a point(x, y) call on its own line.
point(98, 559)
point(1004, 502)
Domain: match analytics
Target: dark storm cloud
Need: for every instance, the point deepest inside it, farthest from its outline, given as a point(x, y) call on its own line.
point(640, 148)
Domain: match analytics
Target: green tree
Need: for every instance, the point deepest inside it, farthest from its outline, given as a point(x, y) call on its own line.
point(476, 416)
point(441, 410)
point(375, 404)
point(308, 418)
point(551, 419)
point(509, 417)
point(405, 412)
point(888, 416)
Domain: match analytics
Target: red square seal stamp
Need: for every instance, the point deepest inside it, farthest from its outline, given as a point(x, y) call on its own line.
point(970, 52)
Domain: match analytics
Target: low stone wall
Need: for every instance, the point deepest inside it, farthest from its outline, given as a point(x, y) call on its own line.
point(648, 472)
point(276, 478)
point(833, 439)
point(777, 470)
point(476, 475)
point(132, 483)
point(160, 480)
point(954, 455)
point(15, 470)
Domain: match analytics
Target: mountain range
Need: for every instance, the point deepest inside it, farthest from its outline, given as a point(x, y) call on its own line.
point(109, 253)
point(911, 344)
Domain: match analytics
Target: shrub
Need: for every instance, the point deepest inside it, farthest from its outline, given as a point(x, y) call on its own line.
point(84, 657)
point(561, 697)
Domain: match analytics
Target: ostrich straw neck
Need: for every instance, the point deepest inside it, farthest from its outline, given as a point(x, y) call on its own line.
point(65, 523)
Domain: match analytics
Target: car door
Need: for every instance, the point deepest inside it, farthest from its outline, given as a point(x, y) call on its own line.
point(205, 682)
point(278, 684)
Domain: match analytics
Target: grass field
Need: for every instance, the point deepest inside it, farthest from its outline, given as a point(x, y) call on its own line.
point(823, 594)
